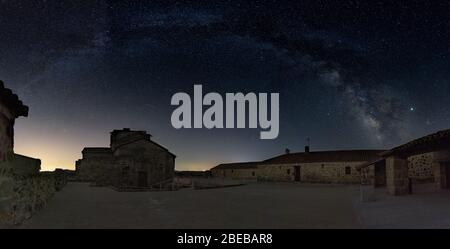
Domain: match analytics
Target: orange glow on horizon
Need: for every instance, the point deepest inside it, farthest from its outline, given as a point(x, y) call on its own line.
point(61, 156)
point(62, 149)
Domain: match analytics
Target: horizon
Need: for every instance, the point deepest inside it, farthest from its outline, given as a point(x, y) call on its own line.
point(210, 165)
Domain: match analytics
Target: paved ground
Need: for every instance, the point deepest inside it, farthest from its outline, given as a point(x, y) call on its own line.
point(274, 205)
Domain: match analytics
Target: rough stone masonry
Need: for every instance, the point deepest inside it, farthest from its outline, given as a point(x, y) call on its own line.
point(24, 190)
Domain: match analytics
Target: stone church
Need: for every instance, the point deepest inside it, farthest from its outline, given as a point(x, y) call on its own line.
point(133, 160)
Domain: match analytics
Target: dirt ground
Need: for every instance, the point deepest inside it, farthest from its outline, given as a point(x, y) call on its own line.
point(275, 205)
point(417, 211)
point(256, 205)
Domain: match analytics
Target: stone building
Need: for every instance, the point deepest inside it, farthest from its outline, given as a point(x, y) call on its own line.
point(420, 165)
point(91, 167)
point(132, 160)
point(10, 109)
point(311, 167)
point(317, 167)
point(244, 171)
point(24, 190)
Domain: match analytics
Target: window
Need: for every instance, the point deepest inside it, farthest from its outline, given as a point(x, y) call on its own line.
point(288, 171)
point(253, 173)
point(348, 170)
point(232, 171)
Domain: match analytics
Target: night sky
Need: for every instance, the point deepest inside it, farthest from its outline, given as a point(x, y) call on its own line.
point(351, 75)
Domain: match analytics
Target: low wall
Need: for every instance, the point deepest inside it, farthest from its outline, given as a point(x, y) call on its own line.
point(23, 196)
point(207, 182)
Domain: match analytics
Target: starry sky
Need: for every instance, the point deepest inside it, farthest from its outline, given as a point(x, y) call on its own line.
point(351, 74)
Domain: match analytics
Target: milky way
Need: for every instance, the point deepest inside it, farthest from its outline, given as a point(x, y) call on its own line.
point(350, 74)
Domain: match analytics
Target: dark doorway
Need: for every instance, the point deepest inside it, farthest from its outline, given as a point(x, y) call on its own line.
point(142, 179)
point(380, 174)
point(446, 168)
point(297, 174)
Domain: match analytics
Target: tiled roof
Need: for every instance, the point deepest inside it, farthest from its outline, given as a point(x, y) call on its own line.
point(244, 165)
point(436, 141)
point(11, 100)
point(326, 156)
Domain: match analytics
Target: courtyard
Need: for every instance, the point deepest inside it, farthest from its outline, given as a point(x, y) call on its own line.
point(257, 205)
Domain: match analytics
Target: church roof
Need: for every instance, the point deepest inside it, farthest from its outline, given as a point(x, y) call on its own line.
point(144, 139)
point(130, 137)
point(12, 102)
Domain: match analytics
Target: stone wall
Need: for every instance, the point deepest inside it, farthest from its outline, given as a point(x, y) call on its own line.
point(6, 133)
point(334, 172)
point(278, 172)
point(421, 166)
point(345, 172)
point(143, 160)
point(419, 172)
point(245, 174)
point(24, 190)
point(93, 168)
point(23, 196)
point(21, 165)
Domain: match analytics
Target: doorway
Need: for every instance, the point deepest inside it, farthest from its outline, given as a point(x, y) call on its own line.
point(446, 168)
point(142, 179)
point(297, 174)
point(380, 174)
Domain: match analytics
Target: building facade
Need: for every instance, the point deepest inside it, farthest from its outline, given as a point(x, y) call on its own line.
point(309, 167)
point(94, 163)
point(241, 171)
point(316, 167)
point(24, 190)
point(420, 165)
point(10, 109)
point(132, 160)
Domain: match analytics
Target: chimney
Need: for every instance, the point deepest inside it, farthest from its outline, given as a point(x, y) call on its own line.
point(308, 142)
point(288, 151)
